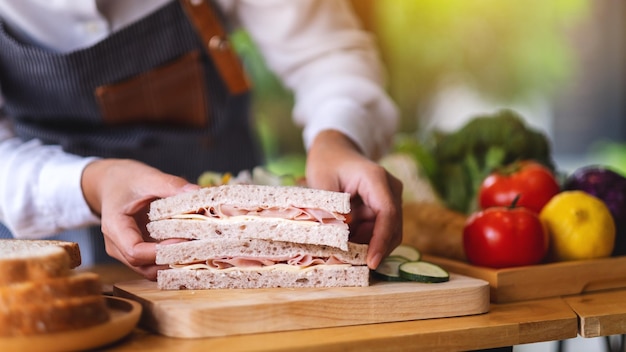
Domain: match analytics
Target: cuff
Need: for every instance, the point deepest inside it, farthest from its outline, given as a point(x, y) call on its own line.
point(344, 116)
point(369, 133)
point(60, 186)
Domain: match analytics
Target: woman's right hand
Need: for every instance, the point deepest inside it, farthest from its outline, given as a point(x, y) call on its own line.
point(120, 191)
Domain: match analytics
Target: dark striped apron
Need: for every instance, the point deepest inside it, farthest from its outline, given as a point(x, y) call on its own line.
point(148, 92)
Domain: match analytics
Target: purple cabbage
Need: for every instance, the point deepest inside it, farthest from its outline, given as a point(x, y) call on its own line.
point(609, 186)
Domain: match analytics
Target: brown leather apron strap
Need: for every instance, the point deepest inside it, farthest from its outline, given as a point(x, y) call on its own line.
point(209, 27)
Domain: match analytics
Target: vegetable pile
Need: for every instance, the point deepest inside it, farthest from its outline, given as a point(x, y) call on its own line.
point(520, 209)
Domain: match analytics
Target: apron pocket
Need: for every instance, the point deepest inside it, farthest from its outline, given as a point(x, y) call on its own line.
point(173, 94)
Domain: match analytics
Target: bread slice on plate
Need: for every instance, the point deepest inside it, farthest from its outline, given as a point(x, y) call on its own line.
point(27, 260)
point(53, 316)
point(12, 245)
point(40, 293)
point(79, 284)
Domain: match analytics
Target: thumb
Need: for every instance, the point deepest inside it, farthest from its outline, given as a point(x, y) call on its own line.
point(168, 185)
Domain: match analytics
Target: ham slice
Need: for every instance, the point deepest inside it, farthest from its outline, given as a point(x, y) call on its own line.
point(290, 213)
point(302, 261)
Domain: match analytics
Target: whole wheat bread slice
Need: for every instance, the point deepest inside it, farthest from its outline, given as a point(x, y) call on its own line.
point(53, 316)
point(316, 276)
point(46, 290)
point(39, 264)
point(201, 250)
point(40, 293)
point(8, 246)
point(335, 235)
point(250, 195)
point(26, 260)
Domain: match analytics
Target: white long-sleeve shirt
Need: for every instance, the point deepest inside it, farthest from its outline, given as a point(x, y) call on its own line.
point(315, 47)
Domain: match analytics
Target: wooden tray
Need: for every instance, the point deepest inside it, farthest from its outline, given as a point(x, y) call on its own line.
point(208, 313)
point(544, 280)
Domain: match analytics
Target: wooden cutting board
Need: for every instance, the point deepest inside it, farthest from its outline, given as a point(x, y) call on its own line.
point(208, 313)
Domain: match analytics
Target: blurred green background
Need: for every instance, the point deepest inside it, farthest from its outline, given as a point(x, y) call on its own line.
point(521, 53)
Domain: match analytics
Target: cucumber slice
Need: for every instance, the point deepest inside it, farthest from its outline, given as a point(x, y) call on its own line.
point(408, 252)
point(388, 269)
point(423, 272)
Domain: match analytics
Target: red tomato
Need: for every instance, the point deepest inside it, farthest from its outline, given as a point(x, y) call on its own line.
point(534, 183)
point(500, 237)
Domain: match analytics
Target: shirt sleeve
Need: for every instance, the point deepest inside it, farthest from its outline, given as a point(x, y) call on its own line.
point(319, 51)
point(40, 189)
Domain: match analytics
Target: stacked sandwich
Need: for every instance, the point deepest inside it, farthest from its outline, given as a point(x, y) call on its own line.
point(40, 293)
point(253, 236)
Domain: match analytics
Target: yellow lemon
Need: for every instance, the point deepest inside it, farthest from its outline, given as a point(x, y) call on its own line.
point(580, 226)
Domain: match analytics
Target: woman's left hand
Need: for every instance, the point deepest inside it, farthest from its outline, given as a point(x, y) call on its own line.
point(335, 163)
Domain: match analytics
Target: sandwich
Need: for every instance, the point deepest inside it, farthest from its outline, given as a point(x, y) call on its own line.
point(40, 293)
point(279, 213)
point(256, 236)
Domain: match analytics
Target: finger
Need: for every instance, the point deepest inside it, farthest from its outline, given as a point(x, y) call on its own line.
point(126, 241)
point(168, 185)
point(387, 232)
point(150, 271)
point(134, 254)
point(384, 239)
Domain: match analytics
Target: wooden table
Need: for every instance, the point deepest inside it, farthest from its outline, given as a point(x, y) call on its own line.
point(505, 325)
point(600, 313)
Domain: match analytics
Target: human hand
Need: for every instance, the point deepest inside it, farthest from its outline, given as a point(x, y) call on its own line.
point(335, 163)
point(121, 191)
